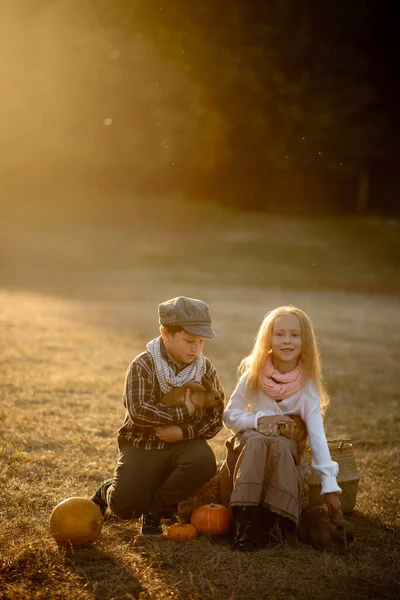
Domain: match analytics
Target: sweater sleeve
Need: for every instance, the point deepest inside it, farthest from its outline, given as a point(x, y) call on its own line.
point(326, 468)
point(236, 416)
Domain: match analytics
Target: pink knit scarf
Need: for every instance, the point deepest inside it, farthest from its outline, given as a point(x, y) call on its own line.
point(280, 385)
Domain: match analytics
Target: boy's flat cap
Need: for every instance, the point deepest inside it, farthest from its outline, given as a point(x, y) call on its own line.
point(191, 314)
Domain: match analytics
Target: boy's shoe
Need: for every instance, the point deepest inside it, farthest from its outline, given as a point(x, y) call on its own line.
point(151, 524)
point(98, 499)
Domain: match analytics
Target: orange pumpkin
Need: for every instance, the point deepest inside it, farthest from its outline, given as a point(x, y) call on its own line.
point(181, 532)
point(76, 521)
point(212, 519)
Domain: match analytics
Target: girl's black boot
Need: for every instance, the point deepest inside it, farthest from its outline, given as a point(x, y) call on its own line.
point(278, 529)
point(247, 528)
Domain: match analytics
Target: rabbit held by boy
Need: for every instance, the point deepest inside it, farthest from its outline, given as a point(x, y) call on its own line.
point(202, 396)
point(324, 530)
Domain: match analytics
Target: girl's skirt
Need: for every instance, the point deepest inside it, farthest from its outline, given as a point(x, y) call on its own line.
point(264, 472)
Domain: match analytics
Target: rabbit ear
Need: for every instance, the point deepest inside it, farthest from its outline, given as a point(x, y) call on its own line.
point(207, 383)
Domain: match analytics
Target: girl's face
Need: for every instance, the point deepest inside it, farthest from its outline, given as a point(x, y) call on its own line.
point(286, 342)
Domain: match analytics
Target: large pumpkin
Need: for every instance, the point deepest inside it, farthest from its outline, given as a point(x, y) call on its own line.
point(76, 521)
point(212, 519)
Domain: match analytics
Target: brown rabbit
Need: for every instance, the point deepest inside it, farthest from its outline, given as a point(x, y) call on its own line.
point(297, 432)
point(325, 531)
point(202, 396)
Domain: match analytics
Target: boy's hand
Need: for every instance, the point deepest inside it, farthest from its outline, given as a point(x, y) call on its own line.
point(172, 433)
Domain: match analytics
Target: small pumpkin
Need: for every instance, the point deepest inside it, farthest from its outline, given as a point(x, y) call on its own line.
point(211, 519)
point(181, 532)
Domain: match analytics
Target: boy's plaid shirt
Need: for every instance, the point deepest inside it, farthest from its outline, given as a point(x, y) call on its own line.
point(142, 397)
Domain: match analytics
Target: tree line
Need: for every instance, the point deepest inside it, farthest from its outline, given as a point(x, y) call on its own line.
point(262, 104)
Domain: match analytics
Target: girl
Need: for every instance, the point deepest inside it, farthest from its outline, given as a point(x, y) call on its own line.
point(280, 378)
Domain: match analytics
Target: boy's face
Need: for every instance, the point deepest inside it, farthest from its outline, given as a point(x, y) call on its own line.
point(184, 347)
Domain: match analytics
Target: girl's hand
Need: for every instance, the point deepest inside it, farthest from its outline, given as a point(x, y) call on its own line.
point(333, 503)
point(172, 433)
point(278, 419)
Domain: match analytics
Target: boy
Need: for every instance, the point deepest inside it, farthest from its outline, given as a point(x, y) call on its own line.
point(163, 455)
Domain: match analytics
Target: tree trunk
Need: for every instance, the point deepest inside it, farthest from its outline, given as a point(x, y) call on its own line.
point(363, 192)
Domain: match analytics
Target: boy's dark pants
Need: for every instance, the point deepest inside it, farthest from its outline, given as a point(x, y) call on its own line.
point(156, 480)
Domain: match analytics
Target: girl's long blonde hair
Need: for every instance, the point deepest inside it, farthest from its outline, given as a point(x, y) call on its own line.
point(310, 356)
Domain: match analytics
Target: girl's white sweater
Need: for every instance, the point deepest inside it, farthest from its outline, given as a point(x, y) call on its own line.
point(245, 408)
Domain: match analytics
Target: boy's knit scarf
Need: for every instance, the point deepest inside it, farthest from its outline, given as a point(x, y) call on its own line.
point(165, 373)
point(280, 385)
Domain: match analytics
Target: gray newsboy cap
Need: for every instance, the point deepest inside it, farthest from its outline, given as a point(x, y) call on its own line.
point(191, 314)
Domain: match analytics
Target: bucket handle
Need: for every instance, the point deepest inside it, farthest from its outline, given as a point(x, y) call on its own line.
point(342, 444)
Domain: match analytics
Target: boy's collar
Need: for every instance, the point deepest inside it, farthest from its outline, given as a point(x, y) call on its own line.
point(165, 354)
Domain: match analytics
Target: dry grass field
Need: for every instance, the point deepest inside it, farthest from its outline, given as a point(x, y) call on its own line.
point(79, 290)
